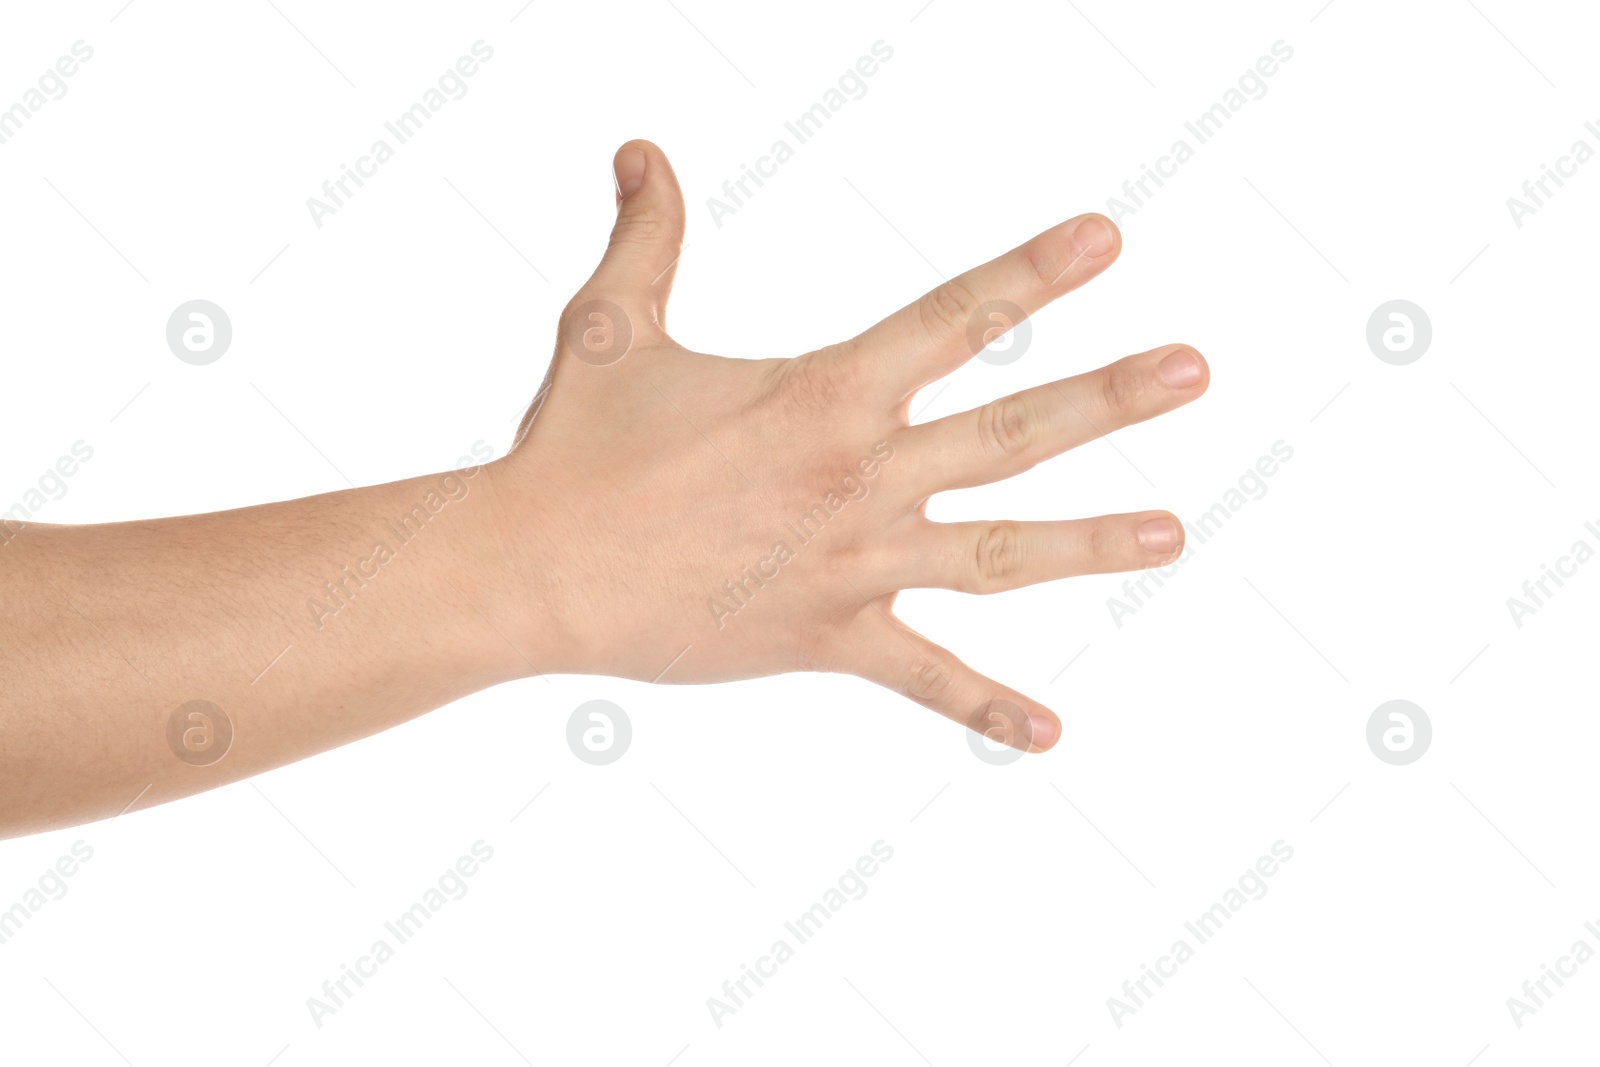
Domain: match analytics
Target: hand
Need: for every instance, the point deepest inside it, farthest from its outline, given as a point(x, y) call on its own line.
point(682, 517)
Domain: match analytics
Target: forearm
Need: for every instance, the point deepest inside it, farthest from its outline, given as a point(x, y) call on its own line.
point(308, 623)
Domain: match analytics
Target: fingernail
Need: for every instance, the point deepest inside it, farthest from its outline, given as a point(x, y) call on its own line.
point(1093, 237)
point(1042, 732)
point(1179, 370)
point(1159, 537)
point(628, 171)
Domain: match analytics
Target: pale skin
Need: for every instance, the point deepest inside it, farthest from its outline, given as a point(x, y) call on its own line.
point(646, 487)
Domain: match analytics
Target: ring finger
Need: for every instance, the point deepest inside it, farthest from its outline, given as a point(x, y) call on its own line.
point(988, 557)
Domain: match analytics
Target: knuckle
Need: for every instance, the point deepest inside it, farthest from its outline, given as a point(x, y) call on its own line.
point(1008, 426)
point(1106, 548)
point(638, 228)
point(581, 300)
point(929, 681)
point(1043, 264)
point(997, 557)
point(946, 310)
point(1120, 390)
point(818, 386)
point(854, 555)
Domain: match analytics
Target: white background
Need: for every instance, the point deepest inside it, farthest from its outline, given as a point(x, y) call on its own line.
point(1228, 714)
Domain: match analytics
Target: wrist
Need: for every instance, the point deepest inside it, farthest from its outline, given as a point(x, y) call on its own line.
point(500, 575)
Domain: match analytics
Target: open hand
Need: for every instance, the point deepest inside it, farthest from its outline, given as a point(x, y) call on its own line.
point(683, 517)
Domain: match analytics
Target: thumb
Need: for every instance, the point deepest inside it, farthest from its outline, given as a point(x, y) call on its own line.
point(647, 239)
